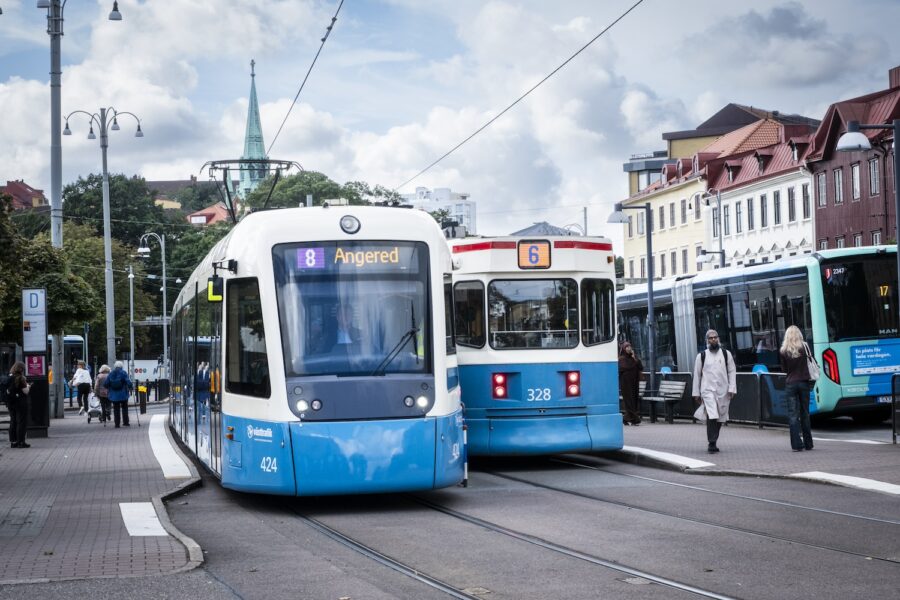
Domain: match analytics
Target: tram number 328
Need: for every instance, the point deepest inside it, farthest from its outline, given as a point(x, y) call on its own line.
point(539, 395)
point(269, 464)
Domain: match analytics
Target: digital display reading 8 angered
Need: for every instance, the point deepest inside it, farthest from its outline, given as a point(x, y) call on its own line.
point(353, 257)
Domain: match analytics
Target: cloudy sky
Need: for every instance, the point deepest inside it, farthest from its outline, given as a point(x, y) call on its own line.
point(400, 82)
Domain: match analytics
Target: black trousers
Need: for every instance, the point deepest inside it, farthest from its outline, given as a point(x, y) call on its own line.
point(104, 408)
point(84, 390)
point(18, 420)
point(120, 412)
point(712, 430)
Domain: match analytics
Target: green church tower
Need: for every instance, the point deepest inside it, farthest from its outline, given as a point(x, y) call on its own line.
point(254, 147)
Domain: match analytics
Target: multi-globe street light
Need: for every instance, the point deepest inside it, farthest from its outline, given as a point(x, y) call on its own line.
point(102, 122)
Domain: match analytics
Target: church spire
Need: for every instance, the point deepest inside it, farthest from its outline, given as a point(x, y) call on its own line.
point(254, 147)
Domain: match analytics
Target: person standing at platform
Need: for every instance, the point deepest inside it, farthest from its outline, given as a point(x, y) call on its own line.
point(81, 381)
point(630, 369)
point(119, 386)
point(17, 402)
point(102, 392)
point(793, 357)
point(714, 386)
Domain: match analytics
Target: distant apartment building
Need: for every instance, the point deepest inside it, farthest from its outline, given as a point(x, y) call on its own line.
point(23, 195)
point(457, 204)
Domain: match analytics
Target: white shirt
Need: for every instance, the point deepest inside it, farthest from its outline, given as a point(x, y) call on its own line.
point(81, 376)
point(716, 379)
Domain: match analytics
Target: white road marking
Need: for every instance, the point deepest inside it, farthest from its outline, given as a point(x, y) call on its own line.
point(172, 465)
point(818, 439)
point(141, 520)
point(856, 482)
point(682, 461)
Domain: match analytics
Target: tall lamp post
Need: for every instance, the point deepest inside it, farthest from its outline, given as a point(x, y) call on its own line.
point(618, 216)
point(717, 221)
point(55, 10)
point(856, 141)
point(102, 122)
point(144, 251)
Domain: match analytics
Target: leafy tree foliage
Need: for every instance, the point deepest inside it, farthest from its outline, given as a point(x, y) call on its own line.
point(291, 191)
point(197, 196)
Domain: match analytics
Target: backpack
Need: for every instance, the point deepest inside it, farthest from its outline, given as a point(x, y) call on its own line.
point(703, 361)
point(115, 383)
point(5, 381)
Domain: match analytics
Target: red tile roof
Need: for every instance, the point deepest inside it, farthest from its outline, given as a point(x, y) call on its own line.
point(878, 107)
point(779, 160)
point(212, 214)
point(23, 195)
point(764, 132)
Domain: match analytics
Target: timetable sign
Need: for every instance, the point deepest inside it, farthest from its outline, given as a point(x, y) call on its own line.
point(534, 254)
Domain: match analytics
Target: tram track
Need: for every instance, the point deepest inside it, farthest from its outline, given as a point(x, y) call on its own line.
point(696, 520)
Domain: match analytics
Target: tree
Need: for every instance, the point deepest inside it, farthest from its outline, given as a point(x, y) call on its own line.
point(291, 191)
point(197, 196)
point(442, 216)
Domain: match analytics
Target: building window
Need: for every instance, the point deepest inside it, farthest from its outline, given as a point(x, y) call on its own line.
point(662, 217)
point(857, 240)
point(805, 194)
point(874, 181)
point(662, 266)
point(738, 216)
point(630, 227)
point(672, 214)
point(750, 222)
point(726, 225)
point(641, 219)
point(839, 188)
point(823, 244)
point(674, 257)
point(715, 222)
point(684, 260)
point(854, 181)
point(876, 238)
point(795, 153)
point(839, 242)
point(820, 189)
point(643, 268)
point(730, 174)
point(763, 211)
point(631, 269)
point(683, 211)
point(792, 205)
point(776, 207)
point(697, 209)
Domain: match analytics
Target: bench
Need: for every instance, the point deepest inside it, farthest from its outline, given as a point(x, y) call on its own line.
point(669, 393)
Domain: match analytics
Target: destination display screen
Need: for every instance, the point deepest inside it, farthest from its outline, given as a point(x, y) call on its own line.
point(534, 254)
point(860, 299)
point(375, 257)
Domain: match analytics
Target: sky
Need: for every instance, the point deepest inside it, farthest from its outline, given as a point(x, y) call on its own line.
point(400, 82)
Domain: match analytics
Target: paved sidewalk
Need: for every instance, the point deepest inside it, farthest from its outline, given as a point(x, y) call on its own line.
point(767, 452)
point(60, 513)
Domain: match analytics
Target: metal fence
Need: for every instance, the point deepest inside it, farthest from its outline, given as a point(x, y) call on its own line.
point(760, 399)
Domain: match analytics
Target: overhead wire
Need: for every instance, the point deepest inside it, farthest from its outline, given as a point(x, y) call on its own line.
point(520, 98)
point(303, 83)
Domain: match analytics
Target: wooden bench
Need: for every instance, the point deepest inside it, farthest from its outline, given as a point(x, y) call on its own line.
point(669, 393)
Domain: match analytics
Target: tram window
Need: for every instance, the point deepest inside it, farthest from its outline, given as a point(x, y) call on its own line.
point(247, 364)
point(597, 311)
point(533, 313)
point(793, 308)
point(448, 318)
point(712, 313)
point(468, 303)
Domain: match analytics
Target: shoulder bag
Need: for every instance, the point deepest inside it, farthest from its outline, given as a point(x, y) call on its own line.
point(811, 364)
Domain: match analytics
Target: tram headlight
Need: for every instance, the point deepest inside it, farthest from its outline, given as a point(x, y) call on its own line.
point(421, 401)
point(316, 404)
point(302, 405)
point(350, 224)
point(408, 401)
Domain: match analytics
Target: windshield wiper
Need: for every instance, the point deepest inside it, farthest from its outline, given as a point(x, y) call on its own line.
point(410, 334)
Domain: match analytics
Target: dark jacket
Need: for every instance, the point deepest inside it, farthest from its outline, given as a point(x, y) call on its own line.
point(16, 391)
point(795, 368)
point(114, 379)
point(630, 369)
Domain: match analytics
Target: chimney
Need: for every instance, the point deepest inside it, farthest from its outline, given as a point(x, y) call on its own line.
point(894, 77)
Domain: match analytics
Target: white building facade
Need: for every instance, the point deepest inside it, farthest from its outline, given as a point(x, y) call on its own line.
point(460, 207)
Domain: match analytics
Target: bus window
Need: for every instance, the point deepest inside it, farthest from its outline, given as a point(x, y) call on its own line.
point(468, 303)
point(793, 309)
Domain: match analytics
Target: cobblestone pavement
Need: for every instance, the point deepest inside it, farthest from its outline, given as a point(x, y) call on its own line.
point(59, 504)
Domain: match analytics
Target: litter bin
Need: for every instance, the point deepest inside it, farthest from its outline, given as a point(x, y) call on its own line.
point(142, 398)
point(162, 387)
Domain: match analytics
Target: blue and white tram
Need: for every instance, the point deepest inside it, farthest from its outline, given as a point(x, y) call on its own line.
point(327, 368)
point(536, 344)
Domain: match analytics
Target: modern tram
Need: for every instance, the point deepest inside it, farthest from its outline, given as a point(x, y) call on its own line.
point(536, 344)
point(844, 301)
point(326, 364)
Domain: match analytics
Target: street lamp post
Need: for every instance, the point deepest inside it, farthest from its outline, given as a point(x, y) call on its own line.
point(101, 120)
point(55, 11)
point(618, 216)
point(855, 141)
point(130, 323)
point(144, 251)
point(717, 221)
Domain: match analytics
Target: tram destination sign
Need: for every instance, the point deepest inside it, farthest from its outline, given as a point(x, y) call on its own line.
point(534, 254)
point(362, 257)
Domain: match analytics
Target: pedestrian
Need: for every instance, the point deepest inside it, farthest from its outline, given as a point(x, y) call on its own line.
point(794, 357)
point(81, 381)
point(102, 392)
point(119, 386)
point(17, 401)
point(714, 387)
point(630, 369)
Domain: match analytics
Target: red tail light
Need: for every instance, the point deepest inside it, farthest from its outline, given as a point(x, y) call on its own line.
point(830, 364)
point(573, 383)
point(498, 385)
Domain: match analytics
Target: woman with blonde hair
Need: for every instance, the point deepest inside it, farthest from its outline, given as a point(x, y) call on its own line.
point(793, 357)
point(102, 392)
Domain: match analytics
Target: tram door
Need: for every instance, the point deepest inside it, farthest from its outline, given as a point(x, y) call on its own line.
point(215, 388)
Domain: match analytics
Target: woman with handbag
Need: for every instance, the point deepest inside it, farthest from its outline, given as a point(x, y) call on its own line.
point(17, 401)
point(802, 370)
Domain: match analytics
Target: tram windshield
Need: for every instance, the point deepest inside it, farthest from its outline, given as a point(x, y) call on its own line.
point(860, 296)
point(533, 313)
point(353, 308)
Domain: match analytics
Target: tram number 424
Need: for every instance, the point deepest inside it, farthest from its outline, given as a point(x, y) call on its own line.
point(538, 395)
point(269, 464)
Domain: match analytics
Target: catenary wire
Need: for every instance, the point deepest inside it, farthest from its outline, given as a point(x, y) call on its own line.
point(520, 98)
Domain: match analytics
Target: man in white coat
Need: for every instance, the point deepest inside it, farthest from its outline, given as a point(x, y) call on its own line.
point(714, 386)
